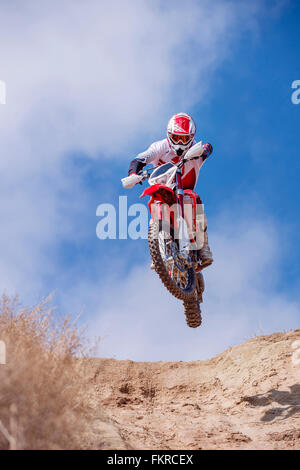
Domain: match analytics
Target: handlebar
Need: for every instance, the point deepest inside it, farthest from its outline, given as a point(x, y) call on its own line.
point(143, 175)
point(146, 173)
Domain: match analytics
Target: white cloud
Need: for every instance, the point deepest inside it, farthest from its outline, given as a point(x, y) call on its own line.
point(92, 76)
point(77, 71)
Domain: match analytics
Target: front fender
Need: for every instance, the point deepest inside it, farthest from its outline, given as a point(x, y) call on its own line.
point(152, 189)
point(161, 193)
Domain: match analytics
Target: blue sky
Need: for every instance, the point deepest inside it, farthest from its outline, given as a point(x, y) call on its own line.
point(85, 96)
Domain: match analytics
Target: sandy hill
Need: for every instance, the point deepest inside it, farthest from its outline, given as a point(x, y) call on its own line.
point(245, 398)
point(54, 396)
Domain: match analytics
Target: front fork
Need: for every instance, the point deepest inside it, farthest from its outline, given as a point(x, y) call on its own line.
point(184, 240)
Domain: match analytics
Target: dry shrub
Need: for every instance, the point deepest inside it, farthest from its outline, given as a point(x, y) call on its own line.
point(43, 391)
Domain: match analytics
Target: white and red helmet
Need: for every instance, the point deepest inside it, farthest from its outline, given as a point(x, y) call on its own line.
point(181, 130)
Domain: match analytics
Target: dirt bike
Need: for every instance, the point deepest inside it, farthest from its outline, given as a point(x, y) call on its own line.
point(172, 235)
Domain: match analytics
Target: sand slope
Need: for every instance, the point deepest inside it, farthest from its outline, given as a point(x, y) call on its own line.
point(245, 398)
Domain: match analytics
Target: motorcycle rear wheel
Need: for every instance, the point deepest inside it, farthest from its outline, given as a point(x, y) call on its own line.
point(193, 312)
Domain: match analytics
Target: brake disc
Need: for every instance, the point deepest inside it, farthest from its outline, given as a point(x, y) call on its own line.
point(181, 261)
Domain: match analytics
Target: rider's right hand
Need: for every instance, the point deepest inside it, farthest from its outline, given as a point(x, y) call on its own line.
point(131, 180)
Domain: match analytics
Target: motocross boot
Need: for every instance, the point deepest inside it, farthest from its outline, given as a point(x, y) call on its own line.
point(204, 254)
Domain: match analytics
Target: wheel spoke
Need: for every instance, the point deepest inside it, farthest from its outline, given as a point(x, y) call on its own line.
point(180, 277)
point(175, 266)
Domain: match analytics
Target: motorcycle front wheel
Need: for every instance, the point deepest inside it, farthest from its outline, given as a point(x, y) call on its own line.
point(178, 279)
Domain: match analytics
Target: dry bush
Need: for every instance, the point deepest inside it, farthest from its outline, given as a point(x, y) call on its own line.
point(43, 390)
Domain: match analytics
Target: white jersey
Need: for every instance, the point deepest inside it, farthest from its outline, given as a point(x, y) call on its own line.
point(160, 152)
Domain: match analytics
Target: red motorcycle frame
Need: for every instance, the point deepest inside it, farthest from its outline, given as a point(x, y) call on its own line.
point(162, 196)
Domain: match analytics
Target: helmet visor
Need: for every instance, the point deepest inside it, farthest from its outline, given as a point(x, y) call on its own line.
point(183, 138)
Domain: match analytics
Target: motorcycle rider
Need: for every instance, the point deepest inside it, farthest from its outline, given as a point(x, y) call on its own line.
point(180, 138)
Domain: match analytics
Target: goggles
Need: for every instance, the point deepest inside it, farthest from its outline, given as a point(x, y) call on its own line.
point(184, 139)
